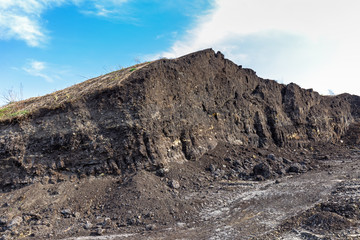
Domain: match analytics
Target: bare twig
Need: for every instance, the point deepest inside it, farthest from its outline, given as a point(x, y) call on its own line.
point(10, 95)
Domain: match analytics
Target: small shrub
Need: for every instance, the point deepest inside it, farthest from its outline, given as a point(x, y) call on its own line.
point(11, 96)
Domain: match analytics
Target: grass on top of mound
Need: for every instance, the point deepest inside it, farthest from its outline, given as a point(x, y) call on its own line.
point(12, 110)
point(21, 109)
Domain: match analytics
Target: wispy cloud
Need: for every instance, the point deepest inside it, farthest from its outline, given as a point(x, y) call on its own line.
point(313, 43)
point(100, 11)
point(21, 19)
point(105, 8)
point(38, 69)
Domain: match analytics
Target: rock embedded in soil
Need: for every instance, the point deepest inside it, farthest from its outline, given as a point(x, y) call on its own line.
point(262, 169)
point(3, 221)
point(271, 157)
point(99, 231)
point(212, 168)
point(15, 222)
point(66, 213)
point(88, 225)
point(295, 168)
point(150, 227)
point(174, 184)
point(160, 172)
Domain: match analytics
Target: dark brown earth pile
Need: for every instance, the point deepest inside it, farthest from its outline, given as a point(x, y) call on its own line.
point(144, 148)
point(166, 111)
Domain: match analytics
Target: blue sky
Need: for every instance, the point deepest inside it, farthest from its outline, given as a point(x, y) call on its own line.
point(47, 45)
point(77, 40)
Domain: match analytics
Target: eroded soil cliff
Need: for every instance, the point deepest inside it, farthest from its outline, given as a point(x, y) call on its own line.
point(134, 149)
point(166, 111)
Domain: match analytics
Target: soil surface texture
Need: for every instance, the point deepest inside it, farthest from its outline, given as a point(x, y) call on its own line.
point(190, 148)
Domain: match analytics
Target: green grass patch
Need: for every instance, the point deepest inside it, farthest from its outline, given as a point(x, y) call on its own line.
point(133, 69)
point(19, 113)
point(11, 112)
point(5, 112)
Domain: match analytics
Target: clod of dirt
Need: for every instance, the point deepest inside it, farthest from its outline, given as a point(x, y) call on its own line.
point(262, 169)
point(174, 184)
point(295, 168)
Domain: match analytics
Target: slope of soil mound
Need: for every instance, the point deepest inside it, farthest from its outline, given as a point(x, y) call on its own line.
point(176, 144)
point(160, 112)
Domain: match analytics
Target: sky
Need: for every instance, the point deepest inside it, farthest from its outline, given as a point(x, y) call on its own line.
point(48, 45)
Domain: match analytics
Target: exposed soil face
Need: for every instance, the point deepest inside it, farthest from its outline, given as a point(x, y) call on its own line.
point(165, 111)
point(190, 148)
point(189, 201)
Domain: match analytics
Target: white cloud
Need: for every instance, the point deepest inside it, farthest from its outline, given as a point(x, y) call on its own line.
point(21, 19)
point(312, 43)
point(37, 66)
point(52, 73)
point(37, 69)
point(100, 11)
